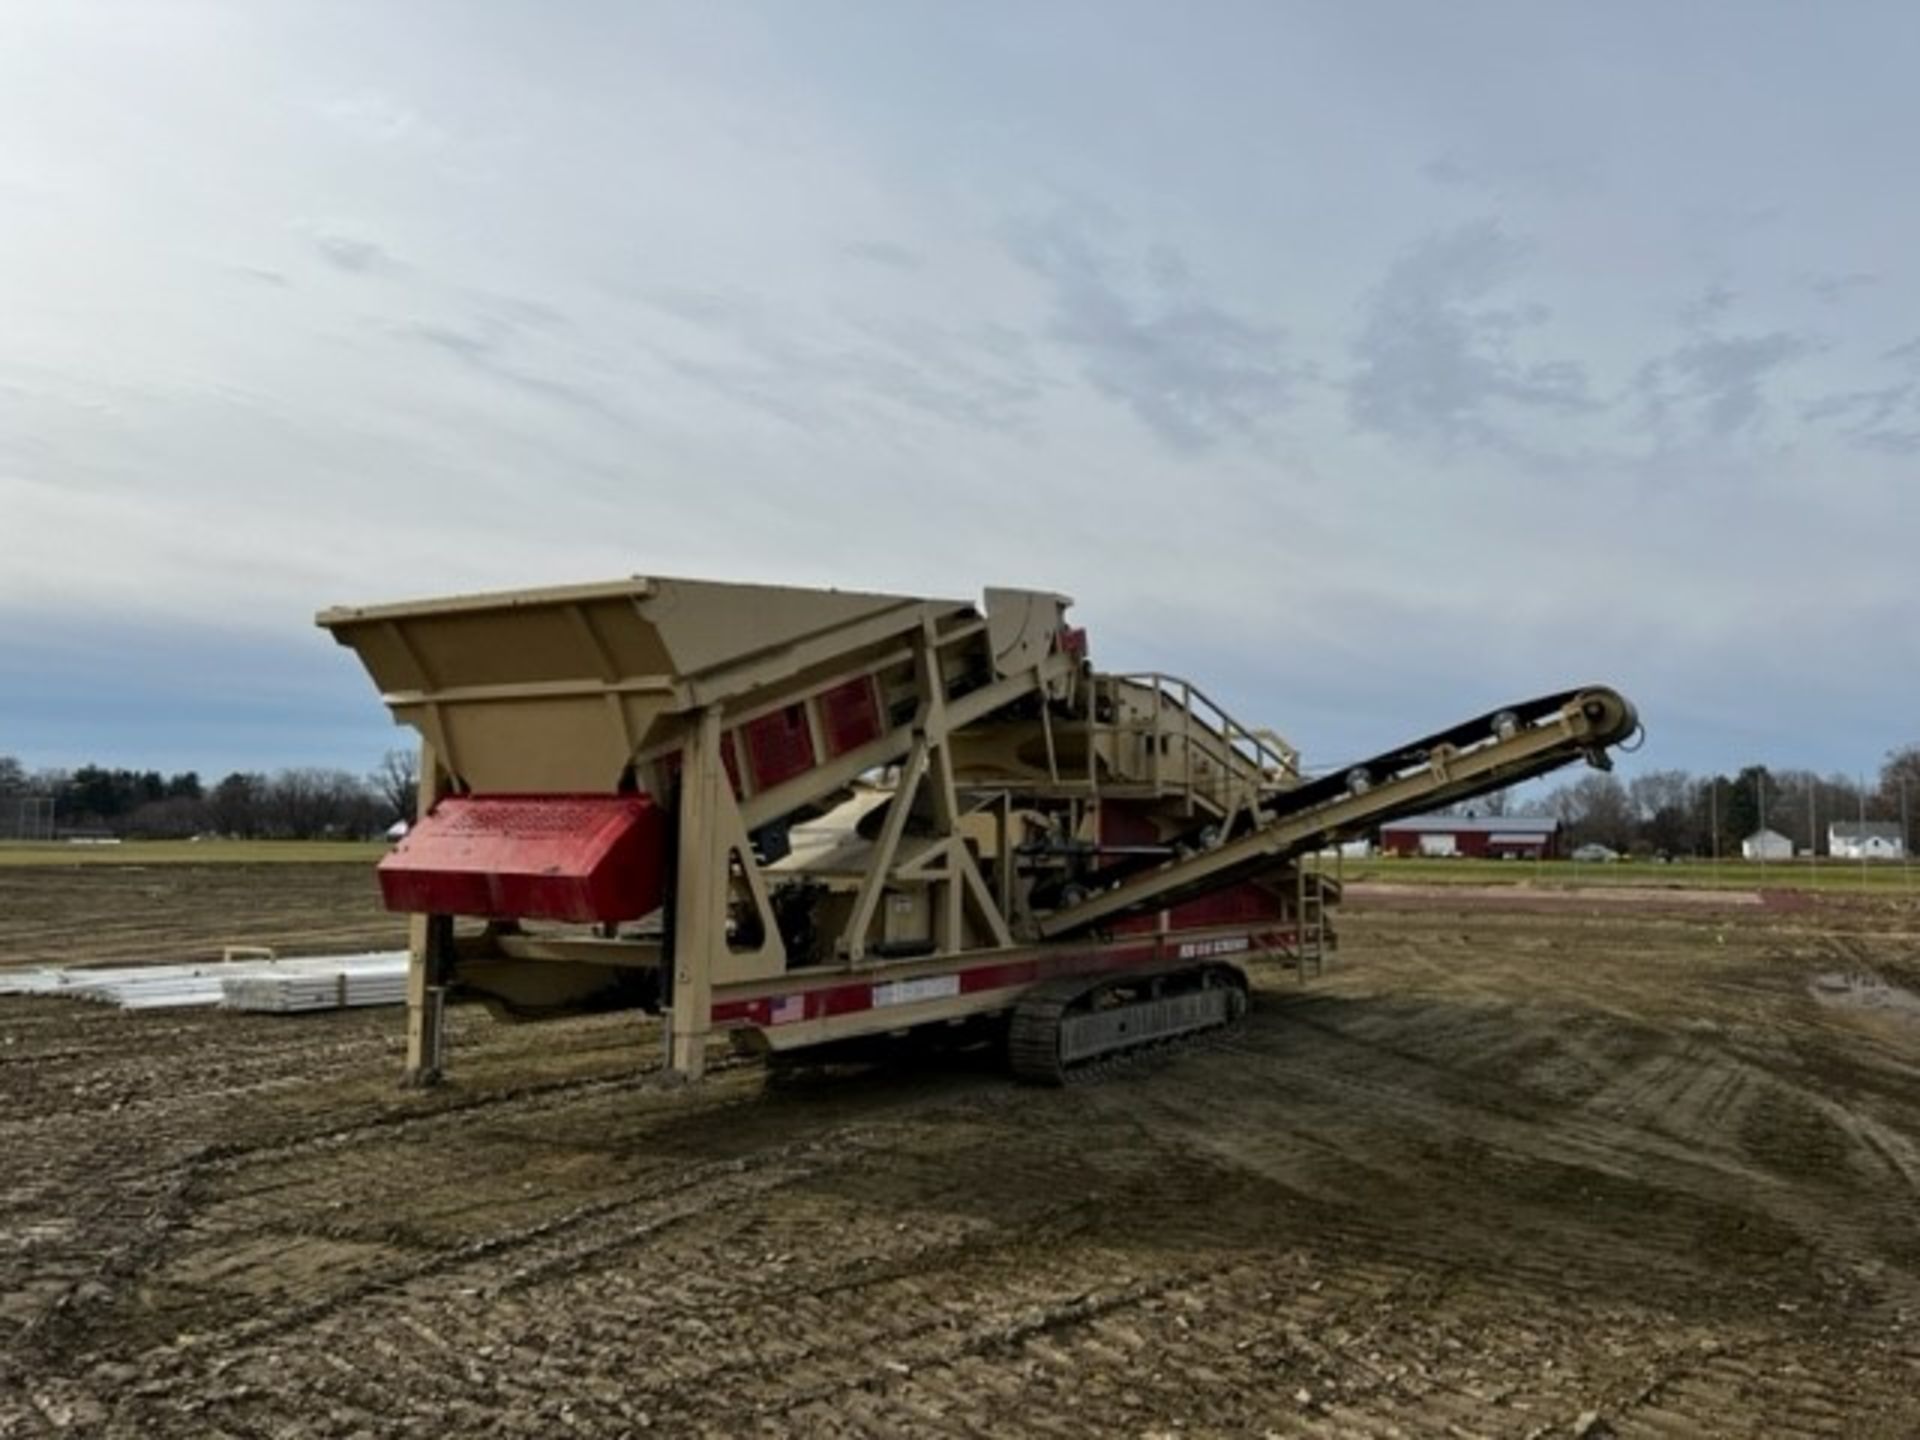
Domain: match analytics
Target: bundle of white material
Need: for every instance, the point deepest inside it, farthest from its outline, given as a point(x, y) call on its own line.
point(337, 989)
point(322, 981)
point(132, 987)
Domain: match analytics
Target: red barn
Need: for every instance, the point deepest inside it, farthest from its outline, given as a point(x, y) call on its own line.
point(1497, 837)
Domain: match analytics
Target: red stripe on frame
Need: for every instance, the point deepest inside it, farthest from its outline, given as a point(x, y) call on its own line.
point(854, 997)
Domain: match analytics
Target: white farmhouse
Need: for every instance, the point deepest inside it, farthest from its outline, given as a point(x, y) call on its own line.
point(1866, 840)
point(1766, 845)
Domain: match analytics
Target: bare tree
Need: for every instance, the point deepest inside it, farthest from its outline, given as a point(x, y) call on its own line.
point(1493, 805)
point(1807, 805)
point(1595, 810)
point(306, 804)
point(1898, 794)
point(1663, 806)
point(398, 783)
point(174, 818)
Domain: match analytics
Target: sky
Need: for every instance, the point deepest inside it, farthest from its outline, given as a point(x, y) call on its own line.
point(1371, 365)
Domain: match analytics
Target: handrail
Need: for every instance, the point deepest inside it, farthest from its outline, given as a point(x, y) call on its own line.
point(1217, 717)
point(1250, 766)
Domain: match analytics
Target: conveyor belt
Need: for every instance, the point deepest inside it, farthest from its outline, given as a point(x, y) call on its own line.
point(1486, 753)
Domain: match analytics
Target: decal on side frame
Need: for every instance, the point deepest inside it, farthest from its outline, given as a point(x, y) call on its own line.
point(1226, 945)
point(907, 992)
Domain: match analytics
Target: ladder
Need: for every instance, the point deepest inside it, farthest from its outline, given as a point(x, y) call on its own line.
point(1311, 933)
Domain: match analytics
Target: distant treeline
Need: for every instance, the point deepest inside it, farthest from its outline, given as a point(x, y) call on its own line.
point(1663, 812)
point(292, 804)
point(1674, 813)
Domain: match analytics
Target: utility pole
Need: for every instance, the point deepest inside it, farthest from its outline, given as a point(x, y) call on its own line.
point(1760, 795)
point(1713, 823)
point(1906, 832)
point(1813, 831)
point(1860, 787)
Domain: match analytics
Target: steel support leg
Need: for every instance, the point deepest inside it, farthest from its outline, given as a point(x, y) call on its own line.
point(430, 951)
point(699, 915)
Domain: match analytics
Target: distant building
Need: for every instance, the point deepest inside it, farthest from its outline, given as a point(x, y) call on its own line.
point(1348, 850)
point(1766, 845)
point(1498, 837)
point(1866, 840)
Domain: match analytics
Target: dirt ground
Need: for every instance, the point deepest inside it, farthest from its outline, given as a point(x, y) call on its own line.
point(82, 913)
point(1497, 1173)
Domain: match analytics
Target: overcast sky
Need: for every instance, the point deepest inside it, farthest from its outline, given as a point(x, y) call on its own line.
point(1370, 363)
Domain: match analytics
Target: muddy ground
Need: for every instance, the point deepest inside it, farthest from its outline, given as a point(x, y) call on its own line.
point(1496, 1174)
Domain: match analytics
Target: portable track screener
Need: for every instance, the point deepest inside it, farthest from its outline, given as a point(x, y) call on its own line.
point(804, 817)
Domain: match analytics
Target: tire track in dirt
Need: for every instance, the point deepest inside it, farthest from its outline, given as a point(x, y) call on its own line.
point(1489, 1175)
point(1667, 1136)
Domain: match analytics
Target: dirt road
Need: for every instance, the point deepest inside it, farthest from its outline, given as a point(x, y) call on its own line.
point(1496, 1174)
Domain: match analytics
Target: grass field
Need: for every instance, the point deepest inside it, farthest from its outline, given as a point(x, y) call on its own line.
point(195, 852)
point(1839, 875)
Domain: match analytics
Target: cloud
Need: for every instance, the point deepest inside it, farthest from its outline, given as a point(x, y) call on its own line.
point(1191, 371)
point(982, 379)
point(377, 119)
point(1513, 176)
point(1870, 419)
point(1448, 170)
point(1709, 305)
point(465, 344)
point(809, 371)
point(1833, 288)
point(1437, 364)
point(1907, 354)
point(884, 253)
point(497, 348)
point(1889, 440)
point(354, 254)
point(519, 310)
point(1716, 382)
point(1870, 407)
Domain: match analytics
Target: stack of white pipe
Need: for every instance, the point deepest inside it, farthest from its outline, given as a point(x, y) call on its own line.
point(314, 982)
point(344, 988)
